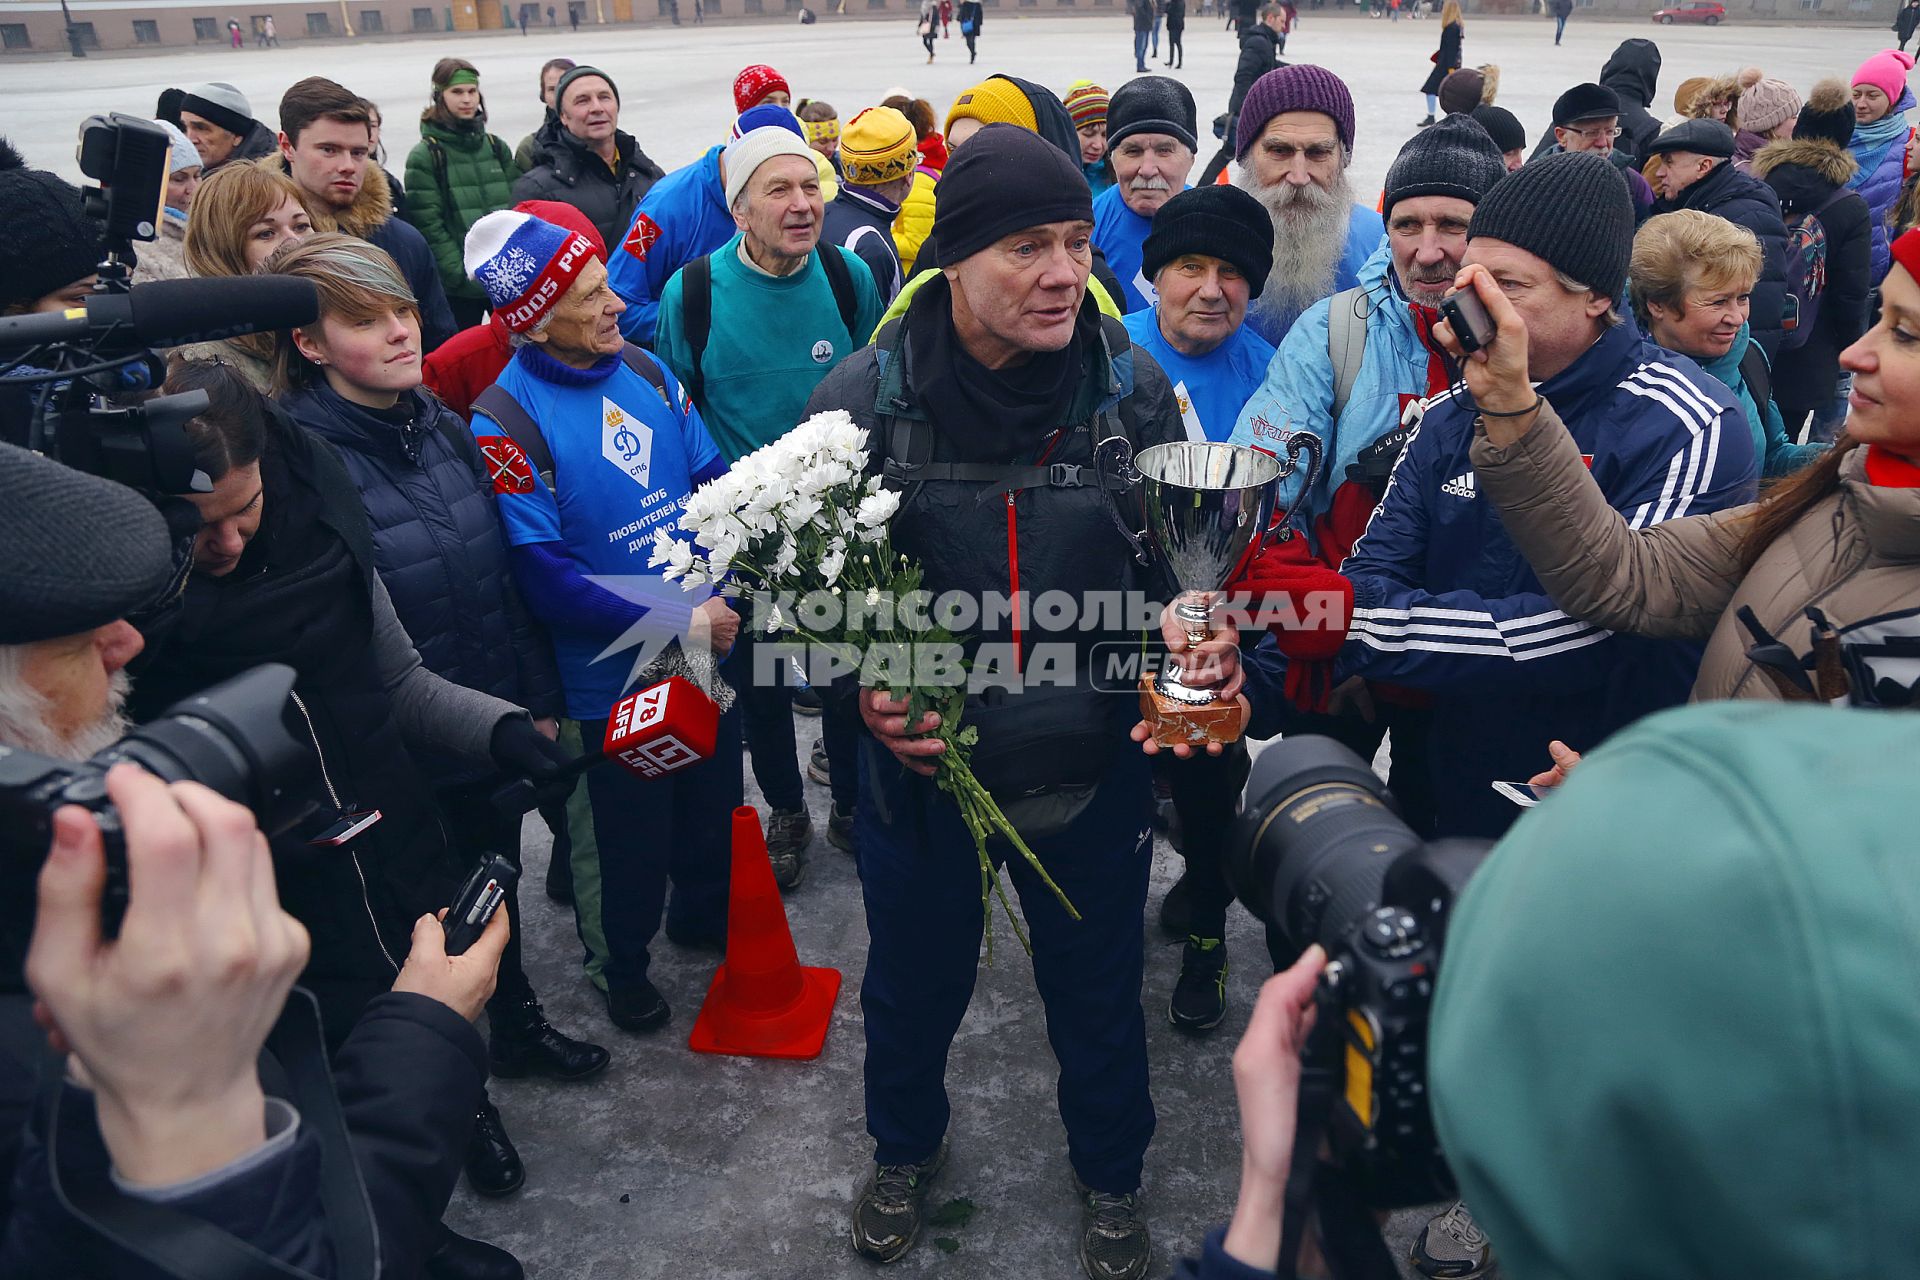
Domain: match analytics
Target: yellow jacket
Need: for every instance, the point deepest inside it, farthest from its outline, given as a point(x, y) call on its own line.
point(914, 222)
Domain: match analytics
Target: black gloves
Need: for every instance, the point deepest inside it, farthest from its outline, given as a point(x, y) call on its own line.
point(526, 754)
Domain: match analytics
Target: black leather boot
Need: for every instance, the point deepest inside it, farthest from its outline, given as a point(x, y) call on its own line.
point(459, 1258)
point(493, 1166)
point(524, 1043)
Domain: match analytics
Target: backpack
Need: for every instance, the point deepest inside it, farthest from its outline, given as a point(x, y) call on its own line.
point(696, 308)
point(520, 427)
point(1806, 275)
point(1346, 344)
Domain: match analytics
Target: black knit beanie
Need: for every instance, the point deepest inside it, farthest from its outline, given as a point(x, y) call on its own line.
point(1004, 179)
point(1827, 116)
point(1152, 104)
point(50, 240)
point(1503, 126)
point(579, 73)
point(1570, 209)
point(1218, 221)
point(1455, 157)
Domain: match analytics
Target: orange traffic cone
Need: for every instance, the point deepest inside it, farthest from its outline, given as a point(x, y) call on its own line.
point(762, 1004)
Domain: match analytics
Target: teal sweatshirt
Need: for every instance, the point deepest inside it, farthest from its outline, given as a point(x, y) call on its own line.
point(771, 341)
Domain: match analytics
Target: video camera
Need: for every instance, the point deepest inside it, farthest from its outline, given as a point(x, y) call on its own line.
point(75, 385)
point(1320, 854)
point(232, 738)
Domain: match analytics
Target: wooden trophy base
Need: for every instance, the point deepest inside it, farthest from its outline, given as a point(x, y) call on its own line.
point(1184, 724)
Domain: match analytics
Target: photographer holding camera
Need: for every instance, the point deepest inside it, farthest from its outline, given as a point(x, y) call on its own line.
point(1618, 1092)
point(166, 1132)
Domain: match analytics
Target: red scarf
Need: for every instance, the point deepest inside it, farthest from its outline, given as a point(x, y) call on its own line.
point(1888, 470)
point(1439, 374)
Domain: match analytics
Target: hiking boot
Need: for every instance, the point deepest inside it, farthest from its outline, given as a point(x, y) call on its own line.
point(789, 832)
point(886, 1217)
point(1451, 1247)
point(1424, 123)
point(524, 1043)
point(493, 1166)
point(1176, 909)
point(1200, 996)
point(1114, 1242)
point(840, 829)
point(817, 766)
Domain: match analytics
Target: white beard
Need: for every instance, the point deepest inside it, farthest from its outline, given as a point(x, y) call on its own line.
point(23, 721)
point(1309, 237)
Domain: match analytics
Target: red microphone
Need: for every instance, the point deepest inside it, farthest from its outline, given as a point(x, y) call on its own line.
point(662, 728)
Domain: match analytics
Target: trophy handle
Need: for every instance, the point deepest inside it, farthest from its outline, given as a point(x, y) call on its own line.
point(1298, 442)
point(1113, 454)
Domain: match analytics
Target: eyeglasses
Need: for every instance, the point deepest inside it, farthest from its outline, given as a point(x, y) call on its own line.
point(1594, 135)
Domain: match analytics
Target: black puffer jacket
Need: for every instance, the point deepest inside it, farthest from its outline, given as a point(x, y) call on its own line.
point(1633, 72)
point(1259, 54)
point(439, 548)
point(1746, 201)
point(1806, 174)
point(572, 174)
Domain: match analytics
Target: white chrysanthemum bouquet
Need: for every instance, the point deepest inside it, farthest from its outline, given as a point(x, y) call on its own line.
point(799, 527)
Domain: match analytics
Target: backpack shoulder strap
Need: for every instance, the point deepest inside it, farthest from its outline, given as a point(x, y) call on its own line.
point(1346, 344)
point(1758, 377)
point(845, 296)
point(696, 314)
point(648, 367)
point(520, 427)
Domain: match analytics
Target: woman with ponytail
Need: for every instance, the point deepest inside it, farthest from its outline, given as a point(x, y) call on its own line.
point(457, 174)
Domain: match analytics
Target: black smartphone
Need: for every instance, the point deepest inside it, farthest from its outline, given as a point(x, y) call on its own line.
point(1467, 315)
point(478, 899)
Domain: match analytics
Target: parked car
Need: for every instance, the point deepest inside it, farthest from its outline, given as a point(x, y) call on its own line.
point(1706, 11)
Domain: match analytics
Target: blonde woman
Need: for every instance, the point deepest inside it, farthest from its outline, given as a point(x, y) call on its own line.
point(1446, 60)
point(241, 214)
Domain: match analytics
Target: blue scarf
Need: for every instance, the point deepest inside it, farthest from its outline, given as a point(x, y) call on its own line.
point(1871, 141)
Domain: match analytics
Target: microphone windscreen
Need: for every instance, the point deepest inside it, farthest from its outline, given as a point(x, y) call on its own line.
point(662, 728)
point(170, 313)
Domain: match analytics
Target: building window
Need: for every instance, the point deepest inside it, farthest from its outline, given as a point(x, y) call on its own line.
point(372, 22)
point(206, 29)
point(423, 20)
point(146, 31)
point(84, 33)
point(13, 35)
point(319, 24)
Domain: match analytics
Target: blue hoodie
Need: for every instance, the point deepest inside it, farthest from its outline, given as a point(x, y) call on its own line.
point(682, 217)
point(1443, 601)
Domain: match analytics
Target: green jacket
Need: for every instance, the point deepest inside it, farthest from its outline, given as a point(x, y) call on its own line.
point(455, 178)
point(1675, 1029)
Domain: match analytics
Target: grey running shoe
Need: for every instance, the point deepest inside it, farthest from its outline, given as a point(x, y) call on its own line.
point(817, 767)
point(789, 832)
point(1451, 1247)
point(1114, 1242)
point(886, 1217)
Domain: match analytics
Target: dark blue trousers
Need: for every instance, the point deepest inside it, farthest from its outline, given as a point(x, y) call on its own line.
point(678, 827)
point(921, 881)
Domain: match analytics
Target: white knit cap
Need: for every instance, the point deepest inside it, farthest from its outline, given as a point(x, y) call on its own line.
point(183, 156)
point(750, 150)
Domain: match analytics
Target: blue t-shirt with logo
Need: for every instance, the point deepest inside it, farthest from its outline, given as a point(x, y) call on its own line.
point(624, 463)
point(1120, 234)
point(1212, 389)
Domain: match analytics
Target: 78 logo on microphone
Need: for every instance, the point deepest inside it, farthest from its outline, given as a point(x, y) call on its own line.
point(662, 728)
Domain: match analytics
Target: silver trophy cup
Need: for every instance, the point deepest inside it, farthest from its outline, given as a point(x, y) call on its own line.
point(1208, 506)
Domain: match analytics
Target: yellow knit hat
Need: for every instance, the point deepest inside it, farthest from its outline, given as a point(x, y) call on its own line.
point(995, 101)
point(877, 146)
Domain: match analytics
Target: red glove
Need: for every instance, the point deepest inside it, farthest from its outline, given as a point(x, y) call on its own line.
point(1309, 604)
point(1309, 685)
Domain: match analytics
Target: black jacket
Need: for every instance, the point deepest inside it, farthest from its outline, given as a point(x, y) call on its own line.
point(1446, 59)
point(1259, 54)
point(1805, 174)
point(1142, 15)
point(408, 1079)
point(1066, 538)
point(1745, 200)
point(439, 547)
point(863, 223)
point(1905, 18)
point(257, 142)
point(1633, 72)
point(572, 174)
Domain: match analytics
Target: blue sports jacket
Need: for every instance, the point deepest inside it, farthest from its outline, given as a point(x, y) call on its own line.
point(682, 217)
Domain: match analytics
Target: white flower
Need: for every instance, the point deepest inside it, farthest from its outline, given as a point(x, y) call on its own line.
point(673, 553)
point(877, 508)
point(873, 593)
point(831, 563)
point(784, 559)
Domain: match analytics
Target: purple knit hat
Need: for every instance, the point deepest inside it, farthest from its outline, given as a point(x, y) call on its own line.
point(1301, 87)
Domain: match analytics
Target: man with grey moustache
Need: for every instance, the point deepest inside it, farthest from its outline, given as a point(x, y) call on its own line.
point(1294, 146)
point(1150, 144)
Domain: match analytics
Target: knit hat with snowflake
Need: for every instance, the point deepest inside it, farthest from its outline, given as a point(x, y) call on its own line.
point(525, 265)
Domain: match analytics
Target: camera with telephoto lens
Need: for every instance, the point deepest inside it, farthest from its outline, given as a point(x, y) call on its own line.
point(232, 738)
point(1320, 854)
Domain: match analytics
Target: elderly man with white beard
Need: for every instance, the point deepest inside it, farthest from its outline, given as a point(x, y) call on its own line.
point(1294, 146)
point(1150, 144)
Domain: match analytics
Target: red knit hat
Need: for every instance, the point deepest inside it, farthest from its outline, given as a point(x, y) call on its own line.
point(1906, 251)
point(753, 84)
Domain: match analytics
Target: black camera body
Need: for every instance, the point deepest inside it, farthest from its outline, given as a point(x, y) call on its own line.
point(231, 738)
point(1320, 852)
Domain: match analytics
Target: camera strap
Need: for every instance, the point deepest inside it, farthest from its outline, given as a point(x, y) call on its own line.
point(181, 1245)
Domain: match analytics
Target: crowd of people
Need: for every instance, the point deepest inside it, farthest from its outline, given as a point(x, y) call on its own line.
point(1677, 466)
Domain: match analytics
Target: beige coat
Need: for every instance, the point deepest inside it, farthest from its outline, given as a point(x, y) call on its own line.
point(1856, 554)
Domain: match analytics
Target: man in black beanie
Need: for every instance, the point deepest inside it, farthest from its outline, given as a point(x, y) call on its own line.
point(999, 382)
point(1150, 144)
point(51, 248)
point(1441, 601)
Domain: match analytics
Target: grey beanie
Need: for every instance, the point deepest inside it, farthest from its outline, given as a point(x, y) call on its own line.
point(220, 103)
point(1570, 209)
point(1455, 157)
point(82, 551)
